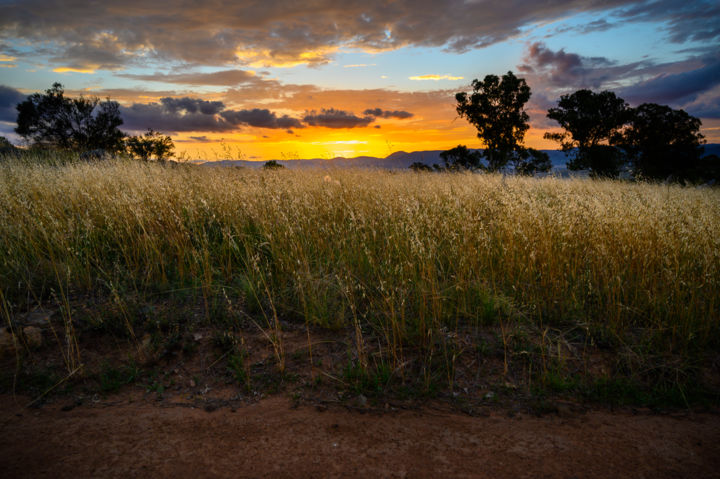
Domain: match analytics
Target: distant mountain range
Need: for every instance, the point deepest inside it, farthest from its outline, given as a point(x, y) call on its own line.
point(395, 161)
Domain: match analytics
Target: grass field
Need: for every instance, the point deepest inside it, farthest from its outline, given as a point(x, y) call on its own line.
point(572, 285)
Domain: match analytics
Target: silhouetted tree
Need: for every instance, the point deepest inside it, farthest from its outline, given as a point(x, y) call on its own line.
point(460, 158)
point(84, 123)
point(150, 145)
point(592, 122)
point(530, 161)
point(418, 166)
point(495, 108)
point(272, 165)
point(663, 143)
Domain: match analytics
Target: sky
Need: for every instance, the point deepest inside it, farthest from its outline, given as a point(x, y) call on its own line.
point(271, 79)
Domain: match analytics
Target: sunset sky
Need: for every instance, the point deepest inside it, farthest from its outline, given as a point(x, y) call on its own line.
point(302, 79)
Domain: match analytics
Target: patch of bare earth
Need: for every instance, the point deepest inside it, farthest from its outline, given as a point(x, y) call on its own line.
point(271, 438)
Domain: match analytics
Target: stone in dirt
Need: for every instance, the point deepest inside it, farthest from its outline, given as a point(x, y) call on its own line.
point(33, 336)
point(39, 318)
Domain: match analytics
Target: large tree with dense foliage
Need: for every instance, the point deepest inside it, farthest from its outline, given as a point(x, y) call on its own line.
point(592, 123)
point(496, 108)
point(663, 143)
point(85, 123)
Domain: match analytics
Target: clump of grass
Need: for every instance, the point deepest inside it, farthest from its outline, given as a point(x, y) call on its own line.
point(406, 261)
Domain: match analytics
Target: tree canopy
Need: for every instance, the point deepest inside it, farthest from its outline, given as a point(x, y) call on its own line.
point(272, 165)
point(495, 108)
point(663, 143)
point(151, 145)
point(530, 161)
point(84, 123)
point(592, 123)
point(460, 158)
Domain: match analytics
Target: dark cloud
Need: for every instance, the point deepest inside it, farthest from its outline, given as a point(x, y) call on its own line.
point(706, 108)
point(192, 114)
point(201, 139)
point(333, 118)
point(562, 69)
point(676, 88)
point(192, 105)
point(380, 113)
point(692, 84)
point(221, 78)
point(683, 20)
point(9, 98)
point(215, 32)
point(260, 118)
point(141, 116)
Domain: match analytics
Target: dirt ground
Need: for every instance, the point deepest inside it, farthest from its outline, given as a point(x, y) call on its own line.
point(273, 438)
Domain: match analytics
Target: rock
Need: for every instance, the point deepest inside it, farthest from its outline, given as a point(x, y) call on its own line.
point(39, 318)
point(145, 350)
point(33, 336)
point(489, 395)
point(362, 401)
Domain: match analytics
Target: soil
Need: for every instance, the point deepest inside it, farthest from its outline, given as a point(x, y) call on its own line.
point(138, 436)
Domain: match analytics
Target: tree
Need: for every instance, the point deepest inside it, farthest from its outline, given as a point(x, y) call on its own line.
point(495, 108)
point(151, 145)
point(272, 165)
point(592, 123)
point(663, 143)
point(460, 158)
point(84, 123)
point(530, 161)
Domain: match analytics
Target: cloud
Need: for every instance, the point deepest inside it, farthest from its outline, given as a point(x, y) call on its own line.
point(219, 78)
point(192, 105)
point(274, 32)
point(435, 77)
point(97, 52)
point(192, 114)
point(141, 116)
point(9, 98)
point(562, 69)
point(684, 21)
point(692, 84)
point(333, 118)
point(676, 88)
point(380, 113)
point(260, 118)
point(74, 70)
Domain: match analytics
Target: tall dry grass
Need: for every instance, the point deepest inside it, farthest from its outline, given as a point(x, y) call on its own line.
point(410, 257)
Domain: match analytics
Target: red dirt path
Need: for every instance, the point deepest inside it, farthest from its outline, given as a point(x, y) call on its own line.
point(271, 439)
